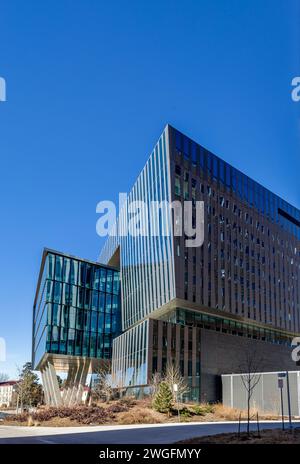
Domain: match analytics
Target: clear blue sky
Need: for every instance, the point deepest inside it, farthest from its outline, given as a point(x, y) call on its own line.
point(90, 87)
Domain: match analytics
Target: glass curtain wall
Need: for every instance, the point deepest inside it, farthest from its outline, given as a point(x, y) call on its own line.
point(77, 309)
point(130, 362)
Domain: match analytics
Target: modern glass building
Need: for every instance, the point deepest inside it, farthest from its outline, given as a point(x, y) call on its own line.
point(239, 289)
point(155, 300)
point(76, 316)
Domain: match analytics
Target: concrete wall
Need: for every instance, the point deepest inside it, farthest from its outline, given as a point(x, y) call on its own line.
point(225, 354)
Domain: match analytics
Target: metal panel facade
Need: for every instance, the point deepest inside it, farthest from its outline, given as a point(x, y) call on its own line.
point(249, 264)
point(146, 262)
point(130, 357)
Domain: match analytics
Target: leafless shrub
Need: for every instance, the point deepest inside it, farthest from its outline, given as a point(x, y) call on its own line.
point(251, 366)
point(173, 376)
point(102, 388)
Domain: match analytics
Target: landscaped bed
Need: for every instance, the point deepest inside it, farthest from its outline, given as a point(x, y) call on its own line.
point(125, 411)
point(265, 437)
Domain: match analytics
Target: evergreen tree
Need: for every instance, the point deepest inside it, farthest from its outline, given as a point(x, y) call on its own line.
point(28, 388)
point(163, 399)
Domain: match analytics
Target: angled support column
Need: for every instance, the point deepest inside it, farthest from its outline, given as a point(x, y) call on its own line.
point(78, 375)
point(49, 386)
point(54, 385)
point(73, 391)
point(46, 387)
point(69, 385)
point(82, 381)
point(50, 382)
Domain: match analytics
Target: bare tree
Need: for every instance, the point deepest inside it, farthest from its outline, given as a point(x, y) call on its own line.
point(155, 382)
point(102, 386)
point(173, 376)
point(3, 377)
point(251, 366)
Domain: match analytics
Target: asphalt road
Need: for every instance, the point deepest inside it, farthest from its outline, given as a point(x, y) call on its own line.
point(127, 434)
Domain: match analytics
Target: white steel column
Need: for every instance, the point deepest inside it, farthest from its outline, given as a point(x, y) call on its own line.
point(78, 374)
point(49, 386)
point(69, 385)
point(57, 399)
point(46, 387)
point(82, 381)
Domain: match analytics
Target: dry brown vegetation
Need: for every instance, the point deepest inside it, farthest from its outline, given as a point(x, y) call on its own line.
point(140, 416)
point(265, 437)
point(225, 413)
point(127, 411)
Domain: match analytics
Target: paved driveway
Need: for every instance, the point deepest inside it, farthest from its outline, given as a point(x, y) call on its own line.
point(131, 434)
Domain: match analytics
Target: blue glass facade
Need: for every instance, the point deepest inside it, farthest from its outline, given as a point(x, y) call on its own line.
point(77, 308)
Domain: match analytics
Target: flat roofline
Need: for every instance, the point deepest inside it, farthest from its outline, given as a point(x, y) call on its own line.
point(67, 255)
point(9, 383)
point(237, 169)
point(46, 251)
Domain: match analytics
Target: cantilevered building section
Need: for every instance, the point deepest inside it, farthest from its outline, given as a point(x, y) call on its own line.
point(76, 315)
point(239, 290)
point(148, 280)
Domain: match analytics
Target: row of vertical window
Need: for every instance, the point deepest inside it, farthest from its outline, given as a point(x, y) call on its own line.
point(78, 342)
point(261, 237)
point(80, 297)
point(65, 317)
point(68, 316)
point(201, 320)
point(146, 261)
point(83, 274)
point(76, 298)
point(129, 364)
point(233, 180)
point(185, 194)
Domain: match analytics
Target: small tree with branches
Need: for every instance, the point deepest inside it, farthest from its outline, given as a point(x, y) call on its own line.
point(250, 366)
point(155, 382)
point(173, 376)
point(102, 387)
